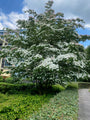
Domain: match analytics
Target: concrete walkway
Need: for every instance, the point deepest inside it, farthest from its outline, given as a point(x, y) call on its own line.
point(84, 104)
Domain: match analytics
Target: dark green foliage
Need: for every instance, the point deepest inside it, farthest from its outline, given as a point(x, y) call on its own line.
point(88, 52)
point(88, 63)
point(43, 76)
point(31, 88)
point(7, 80)
point(84, 79)
point(14, 88)
point(84, 85)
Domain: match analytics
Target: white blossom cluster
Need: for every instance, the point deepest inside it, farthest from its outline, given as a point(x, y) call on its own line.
point(49, 47)
point(66, 56)
point(62, 44)
point(44, 45)
point(23, 52)
point(49, 63)
point(80, 75)
point(79, 63)
point(38, 56)
point(13, 61)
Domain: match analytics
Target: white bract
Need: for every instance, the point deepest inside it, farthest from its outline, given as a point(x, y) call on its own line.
point(66, 56)
point(49, 64)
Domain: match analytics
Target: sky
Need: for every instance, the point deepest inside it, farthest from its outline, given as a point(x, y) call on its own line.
point(12, 10)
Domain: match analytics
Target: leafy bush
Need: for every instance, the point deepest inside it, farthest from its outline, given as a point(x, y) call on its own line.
point(17, 88)
point(1, 79)
point(44, 77)
point(58, 88)
point(72, 85)
point(14, 88)
point(9, 80)
point(63, 106)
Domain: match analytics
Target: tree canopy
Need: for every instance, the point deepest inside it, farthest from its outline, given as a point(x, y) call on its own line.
point(87, 50)
point(45, 48)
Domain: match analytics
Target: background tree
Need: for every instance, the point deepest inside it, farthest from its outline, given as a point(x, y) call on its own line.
point(88, 52)
point(45, 48)
point(88, 61)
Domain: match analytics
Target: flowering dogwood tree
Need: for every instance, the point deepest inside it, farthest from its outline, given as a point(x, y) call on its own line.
point(47, 49)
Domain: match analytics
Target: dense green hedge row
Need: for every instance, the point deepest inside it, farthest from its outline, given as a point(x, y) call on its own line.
point(84, 85)
point(31, 88)
point(12, 88)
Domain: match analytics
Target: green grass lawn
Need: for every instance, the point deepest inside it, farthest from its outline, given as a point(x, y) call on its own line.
point(19, 103)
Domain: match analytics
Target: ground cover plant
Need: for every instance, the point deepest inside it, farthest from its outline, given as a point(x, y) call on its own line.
point(63, 106)
point(20, 104)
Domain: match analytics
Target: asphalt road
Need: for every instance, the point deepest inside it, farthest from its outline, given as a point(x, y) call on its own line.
point(84, 104)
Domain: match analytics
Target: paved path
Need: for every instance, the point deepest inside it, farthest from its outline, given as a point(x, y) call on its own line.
point(84, 104)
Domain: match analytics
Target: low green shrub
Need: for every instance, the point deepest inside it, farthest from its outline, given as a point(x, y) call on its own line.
point(58, 88)
point(14, 88)
point(1, 79)
point(9, 80)
point(72, 85)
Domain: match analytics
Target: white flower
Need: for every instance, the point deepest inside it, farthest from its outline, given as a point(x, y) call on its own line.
point(66, 56)
point(38, 56)
point(79, 63)
point(49, 63)
point(80, 75)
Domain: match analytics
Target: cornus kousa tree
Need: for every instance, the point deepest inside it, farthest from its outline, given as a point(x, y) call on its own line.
point(45, 48)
